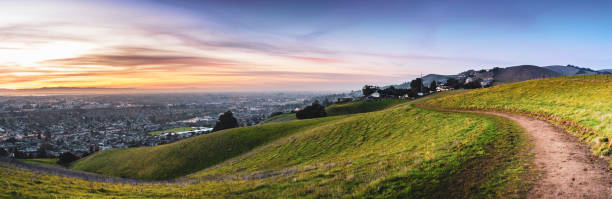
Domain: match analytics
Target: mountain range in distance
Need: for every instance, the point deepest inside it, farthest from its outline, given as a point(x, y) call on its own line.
point(512, 74)
point(497, 75)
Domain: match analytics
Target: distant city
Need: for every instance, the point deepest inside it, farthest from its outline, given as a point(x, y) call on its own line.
point(47, 126)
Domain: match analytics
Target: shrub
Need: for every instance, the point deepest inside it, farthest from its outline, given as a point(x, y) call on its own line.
point(226, 121)
point(312, 111)
point(472, 85)
point(67, 158)
point(3, 153)
point(275, 114)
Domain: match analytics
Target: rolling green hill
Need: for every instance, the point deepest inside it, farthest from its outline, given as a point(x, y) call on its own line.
point(190, 155)
point(343, 109)
point(360, 106)
point(581, 104)
point(285, 117)
point(43, 161)
point(403, 151)
point(399, 152)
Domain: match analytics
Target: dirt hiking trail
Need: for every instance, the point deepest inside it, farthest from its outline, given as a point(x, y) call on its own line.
point(566, 168)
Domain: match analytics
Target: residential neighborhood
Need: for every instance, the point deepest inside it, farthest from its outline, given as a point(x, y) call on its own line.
point(47, 126)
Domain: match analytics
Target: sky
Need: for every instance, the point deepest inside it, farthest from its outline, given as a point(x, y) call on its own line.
point(280, 45)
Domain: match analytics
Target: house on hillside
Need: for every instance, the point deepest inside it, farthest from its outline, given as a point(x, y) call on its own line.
point(442, 88)
point(487, 82)
point(373, 96)
point(469, 79)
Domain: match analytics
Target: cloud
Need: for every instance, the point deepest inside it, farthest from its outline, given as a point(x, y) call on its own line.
point(301, 75)
point(262, 46)
point(426, 57)
point(132, 56)
point(139, 60)
point(40, 32)
point(315, 59)
point(156, 46)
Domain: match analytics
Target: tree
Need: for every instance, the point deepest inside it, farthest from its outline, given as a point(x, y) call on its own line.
point(416, 85)
point(226, 121)
point(368, 90)
point(433, 86)
point(425, 89)
point(275, 114)
point(312, 111)
point(453, 83)
point(3, 153)
point(472, 85)
point(391, 91)
point(47, 135)
point(326, 102)
point(67, 158)
point(41, 153)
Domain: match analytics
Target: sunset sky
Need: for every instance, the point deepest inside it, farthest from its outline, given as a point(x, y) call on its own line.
point(287, 45)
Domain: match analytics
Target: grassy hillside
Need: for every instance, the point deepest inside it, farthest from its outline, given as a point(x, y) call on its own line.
point(43, 161)
point(285, 117)
point(343, 109)
point(189, 155)
point(581, 104)
point(402, 151)
point(360, 106)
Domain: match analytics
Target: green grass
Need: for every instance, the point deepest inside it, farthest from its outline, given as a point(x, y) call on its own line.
point(360, 106)
point(343, 109)
point(403, 151)
point(179, 129)
point(190, 155)
point(580, 104)
point(43, 161)
point(285, 117)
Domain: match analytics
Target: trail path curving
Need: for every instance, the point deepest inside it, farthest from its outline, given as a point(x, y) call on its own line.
point(567, 170)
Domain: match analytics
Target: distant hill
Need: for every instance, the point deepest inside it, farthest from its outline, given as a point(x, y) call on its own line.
point(605, 71)
point(523, 73)
point(571, 70)
point(511, 74)
point(427, 79)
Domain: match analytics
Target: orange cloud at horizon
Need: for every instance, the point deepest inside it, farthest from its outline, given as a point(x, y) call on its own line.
point(42, 46)
point(175, 66)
